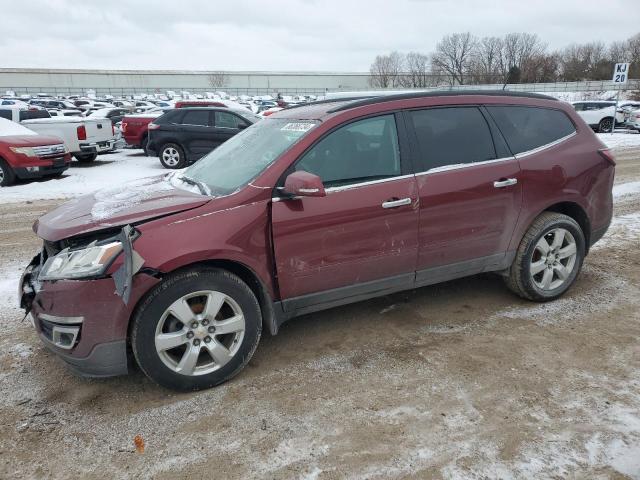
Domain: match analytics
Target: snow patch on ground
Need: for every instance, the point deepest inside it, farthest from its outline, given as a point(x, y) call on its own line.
point(85, 178)
point(620, 139)
point(625, 190)
point(606, 296)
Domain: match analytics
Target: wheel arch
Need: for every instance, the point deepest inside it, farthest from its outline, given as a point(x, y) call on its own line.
point(575, 211)
point(245, 273)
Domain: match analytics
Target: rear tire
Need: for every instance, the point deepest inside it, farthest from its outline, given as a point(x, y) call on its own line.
point(196, 329)
point(85, 157)
point(7, 175)
point(172, 156)
point(548, 259)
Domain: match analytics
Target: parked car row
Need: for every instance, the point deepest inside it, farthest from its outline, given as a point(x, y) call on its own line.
point(603, 116)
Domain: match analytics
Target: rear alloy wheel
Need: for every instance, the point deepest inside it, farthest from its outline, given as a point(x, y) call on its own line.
point(85, 157)
point(172, 156)
point(549, 258)
point(7, 175)
point(196, 329)
point(605, 125)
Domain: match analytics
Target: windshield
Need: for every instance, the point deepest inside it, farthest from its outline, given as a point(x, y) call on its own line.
point(244, 156)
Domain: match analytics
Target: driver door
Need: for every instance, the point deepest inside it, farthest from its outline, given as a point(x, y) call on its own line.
point(361, 237)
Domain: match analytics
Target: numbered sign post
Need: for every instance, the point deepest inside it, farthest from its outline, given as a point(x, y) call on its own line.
point(620, 77)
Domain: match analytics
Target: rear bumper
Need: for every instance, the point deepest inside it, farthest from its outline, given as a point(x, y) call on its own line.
point(97, 147)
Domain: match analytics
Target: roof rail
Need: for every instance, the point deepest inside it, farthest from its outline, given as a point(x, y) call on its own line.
point(371, 100)
point(328, 100)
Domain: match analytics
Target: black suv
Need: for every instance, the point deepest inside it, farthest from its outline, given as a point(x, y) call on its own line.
point(184, 135)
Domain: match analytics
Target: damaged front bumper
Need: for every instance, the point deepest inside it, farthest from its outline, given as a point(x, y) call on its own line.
point(85, 321)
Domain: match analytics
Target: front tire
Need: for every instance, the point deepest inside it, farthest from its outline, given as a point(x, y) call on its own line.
point(196, 329)
point(7, 175)
point(172, 156)
point(548, 259)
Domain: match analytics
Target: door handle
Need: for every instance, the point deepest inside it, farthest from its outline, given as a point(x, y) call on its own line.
point(505, 183)
point(396, 203)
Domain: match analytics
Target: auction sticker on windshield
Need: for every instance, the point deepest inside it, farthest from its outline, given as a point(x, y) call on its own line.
point(298, 127)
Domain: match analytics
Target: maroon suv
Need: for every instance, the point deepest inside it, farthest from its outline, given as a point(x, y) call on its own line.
point(317, 206)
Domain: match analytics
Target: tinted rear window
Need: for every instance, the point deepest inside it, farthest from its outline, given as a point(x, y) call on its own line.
point(31, 114)
point(526, 128)
point(451, 136)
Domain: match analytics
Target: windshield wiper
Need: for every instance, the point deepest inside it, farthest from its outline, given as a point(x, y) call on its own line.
point(201, 186)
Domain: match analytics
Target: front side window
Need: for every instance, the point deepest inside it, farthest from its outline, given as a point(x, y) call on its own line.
point(527, 128)
point(451, 136)
point(358, 152)
point(196, 117)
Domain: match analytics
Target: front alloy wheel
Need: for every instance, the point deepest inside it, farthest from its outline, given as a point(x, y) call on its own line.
point(200, 332)
point(196, 329)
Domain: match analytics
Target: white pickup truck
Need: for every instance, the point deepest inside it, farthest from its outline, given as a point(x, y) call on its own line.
point(84, 137)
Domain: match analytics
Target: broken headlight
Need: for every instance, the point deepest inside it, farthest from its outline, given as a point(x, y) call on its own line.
point(90, 261)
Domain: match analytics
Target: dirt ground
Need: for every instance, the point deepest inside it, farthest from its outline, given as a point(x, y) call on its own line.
point(458, 380)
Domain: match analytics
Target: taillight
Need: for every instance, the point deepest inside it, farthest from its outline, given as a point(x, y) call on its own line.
point(607, 155)
point(153, 126)
point(82, 132)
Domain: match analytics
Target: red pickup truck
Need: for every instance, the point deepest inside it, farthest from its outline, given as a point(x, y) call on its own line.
point(134, 127)
point(25, 154)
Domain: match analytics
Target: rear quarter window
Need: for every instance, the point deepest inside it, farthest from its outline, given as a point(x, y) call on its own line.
point(31, 114)
point(527, 128)
point(172, 116)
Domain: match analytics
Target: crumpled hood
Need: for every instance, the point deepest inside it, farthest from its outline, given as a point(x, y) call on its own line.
point(131, 202)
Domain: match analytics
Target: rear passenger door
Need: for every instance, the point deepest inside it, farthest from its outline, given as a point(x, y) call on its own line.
point(470, 195)
point(197, 133)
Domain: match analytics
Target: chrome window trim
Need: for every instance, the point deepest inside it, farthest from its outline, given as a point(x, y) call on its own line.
point(351, 186)
point(460, 166)
point(365, 184)
point(544, 147)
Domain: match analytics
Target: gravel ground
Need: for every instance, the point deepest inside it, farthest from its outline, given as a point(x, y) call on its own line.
point(458, 380)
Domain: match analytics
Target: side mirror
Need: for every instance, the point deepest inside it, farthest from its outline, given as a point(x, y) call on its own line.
point(242, 126)
point(304, 184)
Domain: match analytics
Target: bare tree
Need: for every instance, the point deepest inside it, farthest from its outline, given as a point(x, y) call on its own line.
point(386, 71)
point(454, 56)
point(585, 62)
point(418, 72)
point(518, 49)
point(487, 66)
point(217, 79)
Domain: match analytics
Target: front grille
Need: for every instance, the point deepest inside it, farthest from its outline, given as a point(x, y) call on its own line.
point(48, 150)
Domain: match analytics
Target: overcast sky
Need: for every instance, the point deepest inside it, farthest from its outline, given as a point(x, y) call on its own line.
point(281, 34)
